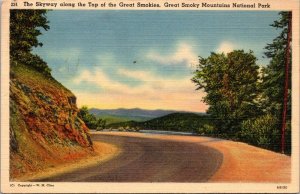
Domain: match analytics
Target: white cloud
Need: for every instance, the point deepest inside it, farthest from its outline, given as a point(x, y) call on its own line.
point(98, 77)
point(184, 53)
point(144, 76)
point(154, 92)
point(225, 47)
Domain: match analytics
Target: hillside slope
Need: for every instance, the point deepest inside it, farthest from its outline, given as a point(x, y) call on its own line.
point(188, 122)
point(122, 115)
point(44, 127)
point(131, 113)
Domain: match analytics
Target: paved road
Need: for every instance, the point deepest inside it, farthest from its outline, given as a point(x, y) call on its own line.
point(149, 160)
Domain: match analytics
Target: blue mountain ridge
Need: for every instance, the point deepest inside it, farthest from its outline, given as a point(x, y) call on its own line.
point(135, 112)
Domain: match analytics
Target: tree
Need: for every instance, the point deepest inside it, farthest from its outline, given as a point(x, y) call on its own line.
point(91, 120)
point(230, 82)
point(274, 76)
point(24, 30)
point(101, 124)
point(83, 112)
point(277, 76)
point(25, 27)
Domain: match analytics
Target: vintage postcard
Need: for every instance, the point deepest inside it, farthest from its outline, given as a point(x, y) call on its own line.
point(183, 96)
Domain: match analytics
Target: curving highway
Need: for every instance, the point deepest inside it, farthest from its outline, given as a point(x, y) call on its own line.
point(149, 160)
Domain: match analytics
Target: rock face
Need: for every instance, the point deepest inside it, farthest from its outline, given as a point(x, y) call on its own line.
point(44, 126)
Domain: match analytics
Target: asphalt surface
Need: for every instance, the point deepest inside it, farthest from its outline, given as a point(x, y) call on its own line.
point(149, 160)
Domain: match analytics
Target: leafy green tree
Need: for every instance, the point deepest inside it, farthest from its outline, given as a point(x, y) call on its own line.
point(230, 82)
point(91, 120)
point(261, 131)
point(25, 27)
point(101, 124)
point(83, 112)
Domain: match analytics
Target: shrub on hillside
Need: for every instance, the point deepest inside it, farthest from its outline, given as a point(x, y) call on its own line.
point(262, 131)
point(91, 121)
point(32, 61)
point(206, 129)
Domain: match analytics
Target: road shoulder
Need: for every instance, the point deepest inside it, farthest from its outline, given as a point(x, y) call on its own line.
point(102, 153)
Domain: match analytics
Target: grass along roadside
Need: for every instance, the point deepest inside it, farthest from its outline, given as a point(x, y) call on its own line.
point(103, 153)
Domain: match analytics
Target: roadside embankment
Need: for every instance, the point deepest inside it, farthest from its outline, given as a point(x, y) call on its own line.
point(102, 153)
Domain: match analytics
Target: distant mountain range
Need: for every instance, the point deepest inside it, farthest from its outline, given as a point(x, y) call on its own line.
point(135, 114)
point(184, 122)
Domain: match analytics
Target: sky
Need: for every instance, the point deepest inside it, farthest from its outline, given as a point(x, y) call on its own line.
point(145, 59)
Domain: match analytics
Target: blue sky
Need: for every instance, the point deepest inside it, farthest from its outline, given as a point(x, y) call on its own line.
point(145, 59)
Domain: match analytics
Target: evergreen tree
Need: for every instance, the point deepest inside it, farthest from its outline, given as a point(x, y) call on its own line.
point(274, 76)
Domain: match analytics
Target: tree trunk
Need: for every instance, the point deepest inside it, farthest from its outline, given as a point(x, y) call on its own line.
point(286, 83)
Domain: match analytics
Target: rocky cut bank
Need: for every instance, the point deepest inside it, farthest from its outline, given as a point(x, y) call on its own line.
point(45, 129)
